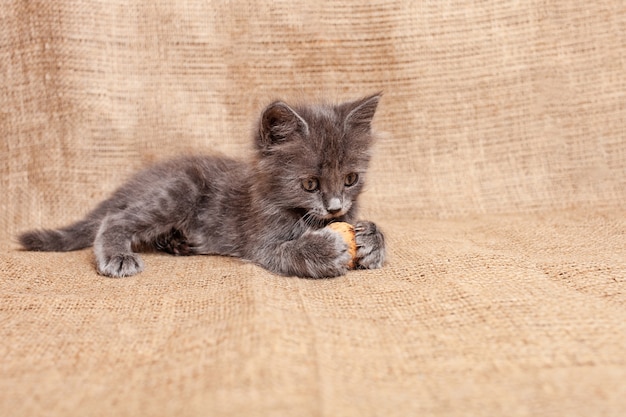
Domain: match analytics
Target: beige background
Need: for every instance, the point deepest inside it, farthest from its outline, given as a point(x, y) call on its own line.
point(499, 178)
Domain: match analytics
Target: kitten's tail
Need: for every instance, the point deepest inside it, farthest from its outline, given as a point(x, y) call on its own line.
point(73, 237)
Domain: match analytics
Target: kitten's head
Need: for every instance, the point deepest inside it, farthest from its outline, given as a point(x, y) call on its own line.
point(313, 159)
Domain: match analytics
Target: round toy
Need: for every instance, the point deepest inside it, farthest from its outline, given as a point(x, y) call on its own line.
point(346, 230)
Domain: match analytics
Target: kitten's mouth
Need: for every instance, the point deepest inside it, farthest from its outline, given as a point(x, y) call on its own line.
point(316, 216)
point(331, 216)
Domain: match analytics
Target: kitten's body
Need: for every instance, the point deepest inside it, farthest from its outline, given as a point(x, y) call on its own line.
point(308, 171)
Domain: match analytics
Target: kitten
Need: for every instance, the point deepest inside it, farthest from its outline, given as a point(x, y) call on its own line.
point(308, 171)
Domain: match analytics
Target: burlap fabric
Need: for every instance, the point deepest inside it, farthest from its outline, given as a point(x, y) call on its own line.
point(500, 182)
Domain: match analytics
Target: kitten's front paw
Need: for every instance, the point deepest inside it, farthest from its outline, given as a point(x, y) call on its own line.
point(120, 265)
point(327, 255)
point(370, 243)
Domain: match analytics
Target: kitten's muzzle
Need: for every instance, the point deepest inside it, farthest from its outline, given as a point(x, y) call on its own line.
point(334, 206)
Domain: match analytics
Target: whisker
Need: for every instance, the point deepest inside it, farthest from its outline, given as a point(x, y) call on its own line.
point(309, 220)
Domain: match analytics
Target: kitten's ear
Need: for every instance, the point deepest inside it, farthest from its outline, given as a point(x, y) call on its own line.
point(279, 122)
point(361, 113)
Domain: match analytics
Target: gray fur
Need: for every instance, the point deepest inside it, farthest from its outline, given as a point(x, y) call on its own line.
point(271, 210)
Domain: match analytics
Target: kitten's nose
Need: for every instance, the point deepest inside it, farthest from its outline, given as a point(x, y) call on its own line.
point(334, 205)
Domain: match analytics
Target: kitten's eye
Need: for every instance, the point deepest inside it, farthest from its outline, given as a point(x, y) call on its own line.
point(351, 179)
point(310, 184)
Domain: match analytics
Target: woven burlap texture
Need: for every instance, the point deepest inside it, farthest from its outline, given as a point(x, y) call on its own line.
point(499, 179)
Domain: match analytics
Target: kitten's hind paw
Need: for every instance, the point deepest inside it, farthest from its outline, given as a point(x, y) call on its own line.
point(175, 243)
point(120, 265)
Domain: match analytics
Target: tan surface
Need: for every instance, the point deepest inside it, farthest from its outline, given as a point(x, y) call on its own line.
point(500, 182)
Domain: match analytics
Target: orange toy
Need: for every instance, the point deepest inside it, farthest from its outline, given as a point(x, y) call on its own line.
point(346, 230)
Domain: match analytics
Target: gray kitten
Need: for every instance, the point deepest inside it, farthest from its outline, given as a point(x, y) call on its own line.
point(308, 171)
